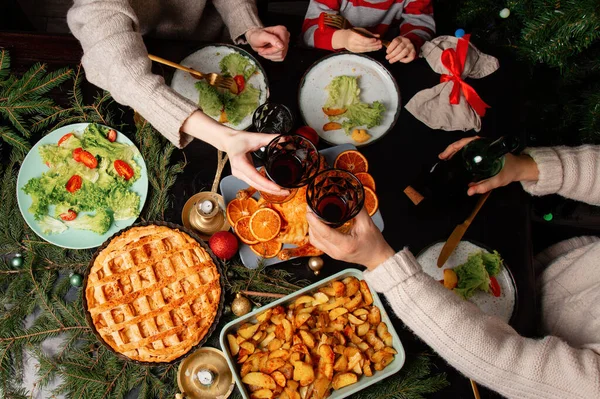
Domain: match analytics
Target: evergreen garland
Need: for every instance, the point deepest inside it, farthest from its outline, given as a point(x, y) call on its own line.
point(84, 367)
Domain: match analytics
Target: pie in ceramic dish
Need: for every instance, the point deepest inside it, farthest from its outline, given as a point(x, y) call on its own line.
point(153, 293)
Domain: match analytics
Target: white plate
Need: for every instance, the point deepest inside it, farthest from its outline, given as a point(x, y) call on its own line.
point(230, 185)
point(206, 60)
point(33, 166)
point(502, 306)
point(376, 83)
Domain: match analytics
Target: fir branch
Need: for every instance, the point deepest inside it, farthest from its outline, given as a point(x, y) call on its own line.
point(4, 64)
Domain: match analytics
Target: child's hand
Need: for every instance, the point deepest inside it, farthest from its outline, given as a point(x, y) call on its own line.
point(401, 49)
point(352, 41)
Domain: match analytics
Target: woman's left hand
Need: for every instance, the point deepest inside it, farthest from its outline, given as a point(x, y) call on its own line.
point(364, 244)
point(271, 42)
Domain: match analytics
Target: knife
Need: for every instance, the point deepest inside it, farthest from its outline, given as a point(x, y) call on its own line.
point(459, 232)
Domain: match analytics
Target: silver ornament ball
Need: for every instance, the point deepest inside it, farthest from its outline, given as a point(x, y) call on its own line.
point(504, 13)
point(17, 261)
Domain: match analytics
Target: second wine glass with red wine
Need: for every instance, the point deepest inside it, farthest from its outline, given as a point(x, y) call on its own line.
point(291, 161)
point(335, 196)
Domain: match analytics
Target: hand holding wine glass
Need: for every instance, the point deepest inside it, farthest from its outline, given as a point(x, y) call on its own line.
point(364, 244)
point(516, 168)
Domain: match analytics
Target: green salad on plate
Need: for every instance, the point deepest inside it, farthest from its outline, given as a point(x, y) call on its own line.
point(224, 105)
point(87, 184)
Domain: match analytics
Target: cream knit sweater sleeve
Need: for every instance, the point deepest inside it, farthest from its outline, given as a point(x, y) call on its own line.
point(115, 59)
point(240, 16)
point(483, 347)
point(573, 172)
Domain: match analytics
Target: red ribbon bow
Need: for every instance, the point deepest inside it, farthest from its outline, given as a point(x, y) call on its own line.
point(454, 61)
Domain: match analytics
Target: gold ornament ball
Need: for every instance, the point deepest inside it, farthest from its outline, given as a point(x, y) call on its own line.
point(240, 305)
point(315, 264)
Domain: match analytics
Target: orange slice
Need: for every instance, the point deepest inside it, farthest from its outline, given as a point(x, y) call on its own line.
point(242, 229)
point(238, 208)
point(268, 249)
point(366, 180)
point(265, 224)
point(371, 201)
point(352, 161)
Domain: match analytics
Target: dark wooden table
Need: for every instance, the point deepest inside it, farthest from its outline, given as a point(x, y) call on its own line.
point(502, 224)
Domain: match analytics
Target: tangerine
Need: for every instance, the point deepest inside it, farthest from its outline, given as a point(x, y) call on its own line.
point(371, 201)
point(366, 180)
point(242, 229)
point(265, 224)
point(352, 161)
point(238, 208)
point(268, 249)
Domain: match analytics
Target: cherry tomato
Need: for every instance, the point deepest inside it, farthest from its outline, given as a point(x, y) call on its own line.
point(495, 287)
point(77, 154)
point(123, 169)
point(64, 138)
point(48, 164)
point(111, 135)
point(88, 159)
point(68, 215)
point(240, 82)
point(309, 133)
point(74, 183)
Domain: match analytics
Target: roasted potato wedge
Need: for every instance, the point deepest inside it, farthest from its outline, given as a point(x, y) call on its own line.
point(341, 364)
point(234, 347)
point(259, 379)
point(247, 330)
point(383, 333)
point(341, 380)
point(354, 302)
point(262, 394)
point(352, 285)
point(272, 365)
point(374, 316)
point(320, 298)
point(366, 293)
point(307, 338)
point(303, 373)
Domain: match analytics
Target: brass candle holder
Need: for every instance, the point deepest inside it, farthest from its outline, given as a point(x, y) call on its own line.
point(204, 375)
point(204, 213)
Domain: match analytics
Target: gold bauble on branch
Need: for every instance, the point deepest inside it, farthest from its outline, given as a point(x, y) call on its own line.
point(240, 305)
point(315, 264)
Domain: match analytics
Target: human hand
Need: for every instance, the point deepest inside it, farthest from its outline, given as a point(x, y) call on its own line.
point(516, 168)
point(270, 42)
point(401, 49)
point(238, 145)
point(364, 244)
point(352, 41)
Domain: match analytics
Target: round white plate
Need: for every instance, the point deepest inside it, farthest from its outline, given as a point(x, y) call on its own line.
point(376, 83)
point(502, 306)
point(33, 166)
point(206, 60)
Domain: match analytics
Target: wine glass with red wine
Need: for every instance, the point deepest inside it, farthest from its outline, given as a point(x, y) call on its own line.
point(335, 196)
point(271, 118)
point(291, 161)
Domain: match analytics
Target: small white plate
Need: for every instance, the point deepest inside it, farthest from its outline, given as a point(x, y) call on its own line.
point(502, 306)
point(230, 186)
point(206, 60)
point(376, 83)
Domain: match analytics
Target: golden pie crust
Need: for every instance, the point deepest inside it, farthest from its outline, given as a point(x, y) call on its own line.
point(153, 293)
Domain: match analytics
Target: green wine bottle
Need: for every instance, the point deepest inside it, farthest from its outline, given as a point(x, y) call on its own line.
point(484, 158)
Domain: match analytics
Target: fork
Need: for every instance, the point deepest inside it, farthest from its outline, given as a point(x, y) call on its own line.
point(213, 79)
point(339, 22)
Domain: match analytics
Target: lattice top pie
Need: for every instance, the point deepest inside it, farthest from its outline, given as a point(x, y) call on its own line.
point(153, 293)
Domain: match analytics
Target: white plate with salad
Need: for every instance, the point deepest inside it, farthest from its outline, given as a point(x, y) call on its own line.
point(80, 184)
point(349, 98)
point(482, 277)
point(233, 110)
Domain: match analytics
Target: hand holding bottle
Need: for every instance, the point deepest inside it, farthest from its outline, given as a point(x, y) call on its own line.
point(516, 168)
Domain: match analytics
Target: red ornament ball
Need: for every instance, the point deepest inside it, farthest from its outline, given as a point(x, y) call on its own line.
point(309, 133)
point(223, 244)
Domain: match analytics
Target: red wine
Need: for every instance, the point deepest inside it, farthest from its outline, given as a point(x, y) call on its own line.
point(333, 208)
point(285, 170)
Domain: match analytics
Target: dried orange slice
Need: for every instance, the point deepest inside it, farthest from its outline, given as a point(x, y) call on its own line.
point(238, 208)
point(242, 229)
point(371, 201)
point(366, 180)
point(265, 224)
point(268, 249)
point(352, 161)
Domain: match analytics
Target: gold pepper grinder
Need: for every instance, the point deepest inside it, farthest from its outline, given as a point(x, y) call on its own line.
point(206, 216)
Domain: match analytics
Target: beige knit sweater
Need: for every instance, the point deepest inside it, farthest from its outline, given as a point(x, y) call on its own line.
point(115, 57)
point(564, 364)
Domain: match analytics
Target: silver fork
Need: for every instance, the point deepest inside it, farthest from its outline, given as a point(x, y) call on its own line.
point(339, 22)
point(213, 79)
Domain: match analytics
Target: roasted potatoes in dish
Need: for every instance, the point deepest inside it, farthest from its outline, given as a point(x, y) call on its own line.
point(317, 343)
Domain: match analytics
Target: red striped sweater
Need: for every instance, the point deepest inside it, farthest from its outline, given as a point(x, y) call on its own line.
point(415, 18)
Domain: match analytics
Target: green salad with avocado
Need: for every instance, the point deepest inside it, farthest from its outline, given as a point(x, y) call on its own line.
point(344, 94)
point(93, 174)
point(224, 105)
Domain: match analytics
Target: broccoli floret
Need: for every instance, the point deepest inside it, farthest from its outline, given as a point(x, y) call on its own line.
point(98, 223)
